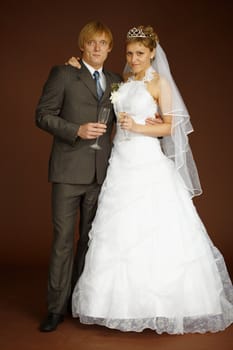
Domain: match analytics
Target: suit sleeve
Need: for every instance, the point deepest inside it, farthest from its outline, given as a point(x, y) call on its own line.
point(50, 104)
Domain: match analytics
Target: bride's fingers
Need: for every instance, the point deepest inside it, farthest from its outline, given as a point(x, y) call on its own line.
point(74, 61)
point(70, 60)
point(127, 122)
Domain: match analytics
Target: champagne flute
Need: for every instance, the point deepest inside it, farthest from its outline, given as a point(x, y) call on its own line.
point(120, 114)
point(102, 118)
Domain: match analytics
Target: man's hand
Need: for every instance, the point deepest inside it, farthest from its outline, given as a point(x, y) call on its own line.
point(91, 131)
point(73, 61)
point(152, 121)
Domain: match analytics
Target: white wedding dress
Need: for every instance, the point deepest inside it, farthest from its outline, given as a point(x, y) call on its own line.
point(150, 262)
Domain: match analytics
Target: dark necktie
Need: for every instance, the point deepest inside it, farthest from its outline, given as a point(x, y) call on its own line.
point(98, 86)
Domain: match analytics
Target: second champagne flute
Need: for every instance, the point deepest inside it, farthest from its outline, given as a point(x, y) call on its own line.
point(120, 114)
point(125, 133)
point(102, 118)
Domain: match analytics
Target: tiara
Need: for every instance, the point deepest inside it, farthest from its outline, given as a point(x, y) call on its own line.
point(137, 33)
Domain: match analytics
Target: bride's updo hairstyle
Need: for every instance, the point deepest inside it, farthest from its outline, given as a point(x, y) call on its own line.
point(143, 34)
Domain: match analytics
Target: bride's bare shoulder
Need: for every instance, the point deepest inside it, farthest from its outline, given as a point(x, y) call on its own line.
point(159, 80)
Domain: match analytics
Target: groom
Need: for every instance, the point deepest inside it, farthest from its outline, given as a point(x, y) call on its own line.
point(68, 109)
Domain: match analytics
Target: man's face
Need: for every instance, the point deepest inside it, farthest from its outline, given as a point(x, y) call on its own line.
point(95, 50)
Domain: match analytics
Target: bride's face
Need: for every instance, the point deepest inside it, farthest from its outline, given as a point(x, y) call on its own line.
point(138, 58)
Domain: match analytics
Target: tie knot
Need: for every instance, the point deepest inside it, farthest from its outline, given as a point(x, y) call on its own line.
point(96, 74)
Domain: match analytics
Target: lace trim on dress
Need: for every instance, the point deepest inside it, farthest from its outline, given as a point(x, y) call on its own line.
point(179, 324)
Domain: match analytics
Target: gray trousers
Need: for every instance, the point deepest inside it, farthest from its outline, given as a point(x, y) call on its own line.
point(66, 262)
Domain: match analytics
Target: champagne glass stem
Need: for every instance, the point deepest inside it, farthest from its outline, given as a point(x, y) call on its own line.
point(96, 144)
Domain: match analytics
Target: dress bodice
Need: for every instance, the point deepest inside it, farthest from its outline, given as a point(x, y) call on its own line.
point(136, 100)
point(133, 98)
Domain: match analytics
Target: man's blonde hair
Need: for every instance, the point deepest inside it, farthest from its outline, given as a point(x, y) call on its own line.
point(92, 28)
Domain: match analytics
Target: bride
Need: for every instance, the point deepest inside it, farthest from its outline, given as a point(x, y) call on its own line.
point(150, 262)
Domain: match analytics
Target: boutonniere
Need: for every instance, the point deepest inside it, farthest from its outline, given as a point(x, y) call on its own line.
point(114, 92)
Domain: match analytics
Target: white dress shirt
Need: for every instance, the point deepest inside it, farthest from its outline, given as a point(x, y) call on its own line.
point(102, 76)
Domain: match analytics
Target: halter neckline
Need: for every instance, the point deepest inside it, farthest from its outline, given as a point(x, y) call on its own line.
point(149, 75)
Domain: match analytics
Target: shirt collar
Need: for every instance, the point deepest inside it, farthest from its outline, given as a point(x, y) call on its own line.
point(91, 69)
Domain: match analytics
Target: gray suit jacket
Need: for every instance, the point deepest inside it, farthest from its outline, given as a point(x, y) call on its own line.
point(68, 100)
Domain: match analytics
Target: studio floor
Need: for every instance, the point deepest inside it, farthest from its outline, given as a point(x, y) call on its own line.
point(22, 305)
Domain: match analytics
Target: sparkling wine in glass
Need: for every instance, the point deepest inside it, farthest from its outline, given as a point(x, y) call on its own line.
point(119, 110)
point(125, 133)
point(102, 118)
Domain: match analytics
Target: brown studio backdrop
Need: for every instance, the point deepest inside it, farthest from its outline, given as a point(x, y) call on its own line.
point(196, 36)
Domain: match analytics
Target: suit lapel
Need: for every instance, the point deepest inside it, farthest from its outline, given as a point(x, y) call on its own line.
point(87, 79)
point(108, 87)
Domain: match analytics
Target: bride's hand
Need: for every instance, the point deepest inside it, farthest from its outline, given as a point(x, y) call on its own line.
point(73, 61)
point(127, 123)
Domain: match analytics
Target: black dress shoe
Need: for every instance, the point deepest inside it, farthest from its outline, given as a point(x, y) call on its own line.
point(51, 322)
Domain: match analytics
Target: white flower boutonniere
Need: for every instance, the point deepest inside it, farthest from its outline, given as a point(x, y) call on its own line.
point(114, 92)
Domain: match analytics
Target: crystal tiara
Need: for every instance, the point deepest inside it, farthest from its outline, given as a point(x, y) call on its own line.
point(137, 33)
